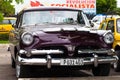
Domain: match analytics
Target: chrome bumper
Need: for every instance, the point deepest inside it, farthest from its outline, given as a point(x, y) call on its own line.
point(49, 62)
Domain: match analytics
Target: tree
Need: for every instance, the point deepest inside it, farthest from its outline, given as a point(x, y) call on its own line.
point(1, 17)
point(104, 6)
point(117, 11)
point(17, 1)
point(6, 9)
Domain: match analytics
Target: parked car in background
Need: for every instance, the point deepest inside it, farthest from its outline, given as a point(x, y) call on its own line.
point(113, 24)
point(6, 24)
point(96, 20)
point(57, 37)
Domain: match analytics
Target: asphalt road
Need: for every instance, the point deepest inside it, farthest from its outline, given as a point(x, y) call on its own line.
point(8, 73)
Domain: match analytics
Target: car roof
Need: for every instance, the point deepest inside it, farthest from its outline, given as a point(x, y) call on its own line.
point(50, 7)
point(111, 17)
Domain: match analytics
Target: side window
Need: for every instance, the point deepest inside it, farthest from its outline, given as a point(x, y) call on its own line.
point(80, 18)
point(103, 25)
point(110, 25)
point(118, 25)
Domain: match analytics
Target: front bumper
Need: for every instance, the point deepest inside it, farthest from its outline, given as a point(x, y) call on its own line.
point(49, 61)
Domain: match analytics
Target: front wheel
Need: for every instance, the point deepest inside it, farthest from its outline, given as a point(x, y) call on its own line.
point(21, 70)
point(101, 70)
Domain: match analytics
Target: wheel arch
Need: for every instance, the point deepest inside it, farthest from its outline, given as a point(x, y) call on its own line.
point(117, 47)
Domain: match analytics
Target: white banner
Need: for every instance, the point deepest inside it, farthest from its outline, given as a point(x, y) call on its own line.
point(88, 6)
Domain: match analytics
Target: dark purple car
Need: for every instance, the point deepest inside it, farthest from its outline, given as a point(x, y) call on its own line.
point(52, 37)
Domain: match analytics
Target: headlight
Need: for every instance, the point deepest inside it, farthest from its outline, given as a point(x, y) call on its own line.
point(108, 38)
point(27, 38)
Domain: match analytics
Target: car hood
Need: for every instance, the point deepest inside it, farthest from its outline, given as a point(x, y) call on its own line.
point(62, 28)
point(65, 35)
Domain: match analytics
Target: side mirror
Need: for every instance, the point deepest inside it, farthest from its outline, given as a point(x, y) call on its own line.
point(13, 25)
point(91, 23)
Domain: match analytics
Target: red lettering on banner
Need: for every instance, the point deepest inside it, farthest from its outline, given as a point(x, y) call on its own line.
point(75, 5)
point(87, 5)
point(57, 4)
point(35, 4)
point(52, 4)
point(83, 5)
point(80, 1)
point(92, 6)
point(71, 5)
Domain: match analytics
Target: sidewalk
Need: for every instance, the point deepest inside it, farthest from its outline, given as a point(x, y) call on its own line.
point(4, 46)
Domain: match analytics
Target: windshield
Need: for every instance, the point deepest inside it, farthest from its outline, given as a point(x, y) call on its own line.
point(118, 25)
point(52, 17)
point(5, 22)
point(12, 21)
point(98, 19)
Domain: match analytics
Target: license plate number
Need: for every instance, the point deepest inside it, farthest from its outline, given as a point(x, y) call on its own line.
point(71, 62)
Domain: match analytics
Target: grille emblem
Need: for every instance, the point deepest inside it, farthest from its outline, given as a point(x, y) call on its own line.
point(71, 49)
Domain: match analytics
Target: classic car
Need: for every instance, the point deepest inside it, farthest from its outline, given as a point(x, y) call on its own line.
point(6, 24)
point(113, 24)
point(57, 37)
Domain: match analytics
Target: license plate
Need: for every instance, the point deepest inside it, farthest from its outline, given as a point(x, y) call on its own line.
point(71, 62)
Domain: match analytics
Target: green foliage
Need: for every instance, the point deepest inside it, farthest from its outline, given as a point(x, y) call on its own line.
point(4, 41)
point(1, 17)
point(6, 8)
point(4, 36)
point(104, 6)
point(117, 11)
point(17, 1)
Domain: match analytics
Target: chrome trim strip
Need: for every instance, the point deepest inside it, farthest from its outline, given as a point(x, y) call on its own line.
point(39, 52)
point(95, 51)
point(46, 52)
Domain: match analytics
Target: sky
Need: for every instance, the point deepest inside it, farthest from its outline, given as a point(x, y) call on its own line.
point(19, 7)
point(118, 3)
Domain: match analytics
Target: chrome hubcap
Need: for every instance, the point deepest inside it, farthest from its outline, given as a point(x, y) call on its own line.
point(17, 70)
point(115, 65)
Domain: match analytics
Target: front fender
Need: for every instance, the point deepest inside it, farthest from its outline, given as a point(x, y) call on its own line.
point(116, 44)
